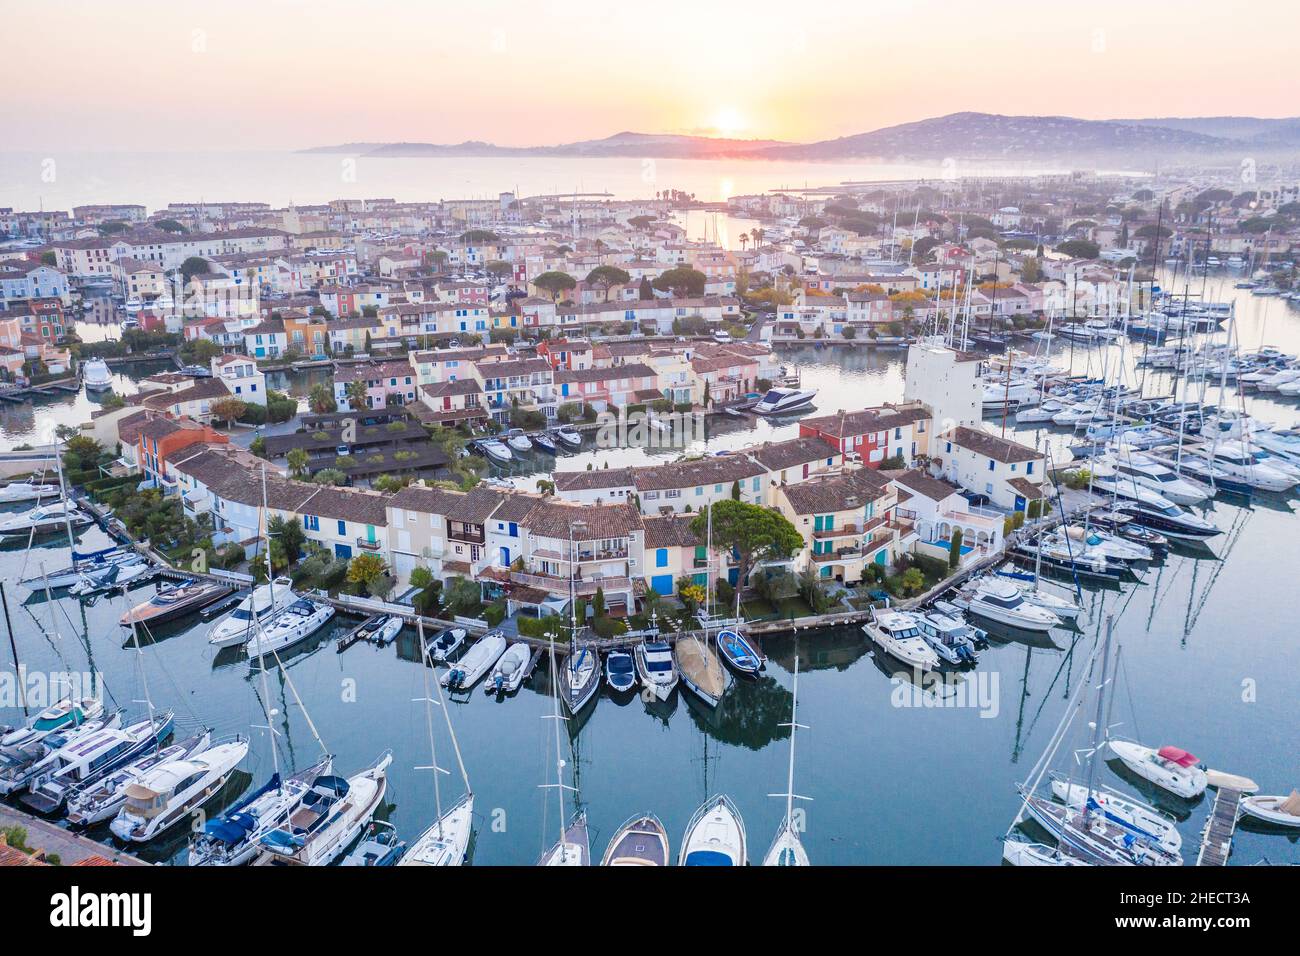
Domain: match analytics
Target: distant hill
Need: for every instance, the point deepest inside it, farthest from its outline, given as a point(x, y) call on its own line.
point(967, 136)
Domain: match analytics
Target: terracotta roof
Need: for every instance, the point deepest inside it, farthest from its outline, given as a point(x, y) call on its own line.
point(715, 469)
point(843, 424)
point(847, 492)
point(594, 479)
point(936, 489)
point(551, 519)
point(991, 446)
point(670, 531)
point(796, 451)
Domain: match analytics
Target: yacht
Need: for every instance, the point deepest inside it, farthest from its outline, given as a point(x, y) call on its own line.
point(96, 375)
point(295, 623)
point(172, 603)
point(496, 450)
point(715, 835)
point(18, 767)
point(102, 799)
point(1148, 473)
point(654, 665)
point(1145, 821)
point(332, 814)
point(446, 842)
point(262, 606)
point(85, 761)
point(45, 518)
point(569, 435)
point(1001, 601)
point(949, 636)
point(779, 400)
point(171, 792)
point(898, 633)
point(1170, 768)
point(518, 441)
point(620, 671)
point(1043, 412)
point(1014, 393)
point(1161, 514)
point(26, 491)
point(1021, 853)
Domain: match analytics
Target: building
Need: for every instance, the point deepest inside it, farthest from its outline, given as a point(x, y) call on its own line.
point(1002, 472)
point(947, 382)
point(847, 522)
point(874, 434)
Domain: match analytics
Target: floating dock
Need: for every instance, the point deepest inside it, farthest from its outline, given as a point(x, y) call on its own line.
point(1216, 839)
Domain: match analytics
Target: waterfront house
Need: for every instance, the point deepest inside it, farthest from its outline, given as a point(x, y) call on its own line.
point(937, 508)
point(242, 378)
point(997, 470)
point(875, 434)
point(387, 383)
point(847, 522)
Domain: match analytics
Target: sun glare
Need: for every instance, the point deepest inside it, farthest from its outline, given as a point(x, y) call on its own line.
point(728, 121)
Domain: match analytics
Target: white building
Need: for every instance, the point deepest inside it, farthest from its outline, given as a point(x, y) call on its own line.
point(242, 376)
point(947, 382)
point(1005, 472)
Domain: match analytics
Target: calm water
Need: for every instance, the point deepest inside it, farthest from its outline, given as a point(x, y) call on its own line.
point(281, 178)
point(1208, 663)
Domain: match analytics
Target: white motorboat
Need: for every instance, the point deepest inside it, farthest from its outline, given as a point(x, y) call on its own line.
point(133, 305)
point(446, 642)
point(67, 714)
point(1280, 811)
point(1147, 473)
point(260, 607)
point(949, 636)
point(570, 436)
point(1014, 393)
point(446, 842)
point(45, 518)
point(171, 792)
point(332, 814)
point(383, 631)
point(495, 450)
point(96, 375)
point(781, 400)
point(898, 633)
point(82, 564)
point(114, 576)
point(26, 491)
point(1170, 768)
point(518, 441)
point(101, 800)
point(1144, 820)
point(715, 835)
point(508, 672)
point(655, 667)
point(1087, 542)
point(1063, 607)
point(233, 838)
point(476, 662)
point(1001, 601)
point(620, 671)
point(1021, 853)
point(1035, 414)
point(295, 623)
point(19, 767)
point(88, 759)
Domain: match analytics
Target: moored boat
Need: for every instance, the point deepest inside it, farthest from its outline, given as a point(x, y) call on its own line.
point(898, 634)
point(715, 835)
point(172, 603)
point(640, 841)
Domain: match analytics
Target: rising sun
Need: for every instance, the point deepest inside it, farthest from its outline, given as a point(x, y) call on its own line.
point(728, 121)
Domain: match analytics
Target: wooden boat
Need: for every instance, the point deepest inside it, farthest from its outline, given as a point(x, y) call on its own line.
point(641, 841)
point(172, 603)
point(701, 670)
point(741, 653)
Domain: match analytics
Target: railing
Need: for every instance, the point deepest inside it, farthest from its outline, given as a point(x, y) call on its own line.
point(556, 584)
point(366, 544)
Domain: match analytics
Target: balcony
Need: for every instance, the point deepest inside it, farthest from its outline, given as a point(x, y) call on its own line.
point(556, 584)
point(366, 544)
point(469, 535)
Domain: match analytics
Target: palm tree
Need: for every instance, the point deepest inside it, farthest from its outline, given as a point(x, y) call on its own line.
point(744, 241)
point(356, 395)
point(545, 486)
point(297, 459)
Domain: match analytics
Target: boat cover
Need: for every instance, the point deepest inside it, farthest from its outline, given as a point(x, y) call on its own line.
point(707, 858)
point(1178, 756)
point(1291, 804)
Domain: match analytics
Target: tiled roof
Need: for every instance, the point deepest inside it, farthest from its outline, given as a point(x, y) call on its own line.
point(796, 451)
point(847, 492)
point(843, 424)
point(991, 446)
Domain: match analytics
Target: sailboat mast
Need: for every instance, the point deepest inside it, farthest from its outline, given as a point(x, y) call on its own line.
point(1101, 713)
point(794, 723)
point(63, 497)
point(428, 721)
point(144, 680)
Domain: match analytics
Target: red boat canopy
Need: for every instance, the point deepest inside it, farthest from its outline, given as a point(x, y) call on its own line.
point(1178, 756)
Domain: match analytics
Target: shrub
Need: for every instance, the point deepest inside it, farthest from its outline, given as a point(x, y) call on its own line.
point(608, 626)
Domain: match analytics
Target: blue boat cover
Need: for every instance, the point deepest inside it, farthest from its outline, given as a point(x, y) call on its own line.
point(234, 824)
point(707, 858)
point(283, 841)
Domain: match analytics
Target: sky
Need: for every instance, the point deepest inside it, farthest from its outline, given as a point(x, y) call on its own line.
point(287, 74)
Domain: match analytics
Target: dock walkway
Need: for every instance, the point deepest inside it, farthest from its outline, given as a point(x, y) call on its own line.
point(70, 847)
point(1216, 839)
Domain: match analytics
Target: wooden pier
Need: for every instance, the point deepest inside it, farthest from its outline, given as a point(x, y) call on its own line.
point(1216, 839)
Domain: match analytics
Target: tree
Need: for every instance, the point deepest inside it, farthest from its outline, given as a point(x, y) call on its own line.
point(478, 237)
point(954, 549)
point(170, 225)
point(297, 459)
point(605, 277)
point(555, 283)
point(330, 476)
point(289, 535)
point(545, 486)
point(462, 594)
point(321, 399)
point(194, 266)
point(646, 291)
point(229, 410)
point(757, 533)
point(49, 258)
point(683, 282)
point(499, 269)
point(81, 453)
point(366, 570)
point(357, 395)
point(1079, 249)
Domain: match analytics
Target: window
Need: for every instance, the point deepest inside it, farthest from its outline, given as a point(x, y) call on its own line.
point(1029, 468)
point(311, 522)
point(661, 558)
point(948, 447)
point(991, 465)
point(343, 528)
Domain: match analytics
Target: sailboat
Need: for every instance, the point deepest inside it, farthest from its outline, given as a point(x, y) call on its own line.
point(574, 846)
point(446, 842)
point(787, 849)
point(581, 671)
point(698, 664)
